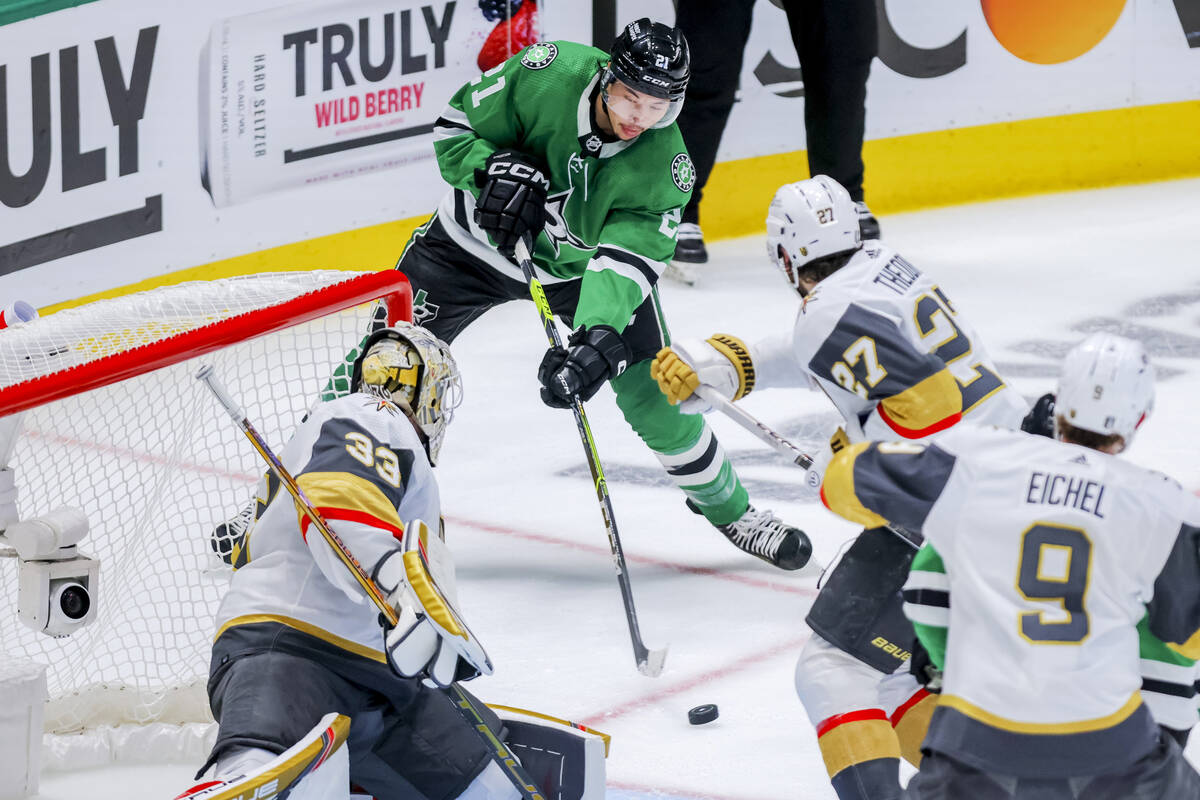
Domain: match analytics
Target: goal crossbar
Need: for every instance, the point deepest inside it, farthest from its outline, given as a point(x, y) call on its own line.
point(390, 285)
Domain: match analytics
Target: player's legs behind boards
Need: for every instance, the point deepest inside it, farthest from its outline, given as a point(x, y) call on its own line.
point(697, 464)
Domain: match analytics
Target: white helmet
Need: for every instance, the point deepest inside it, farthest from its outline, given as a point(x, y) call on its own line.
point(809, 220)
point(414, 369)
point(1106, 386)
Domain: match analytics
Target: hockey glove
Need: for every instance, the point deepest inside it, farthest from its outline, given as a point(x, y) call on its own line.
point(923, 669)
point(596, 355)
point(721, 362)
point(1040, 420)
point(430, 640)
point(513, 200)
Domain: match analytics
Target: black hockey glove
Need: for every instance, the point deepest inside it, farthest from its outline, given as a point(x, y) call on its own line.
point(596, 354)
point(924, 670)
point(1040, 420)
point(513, 200)
point(495, 10)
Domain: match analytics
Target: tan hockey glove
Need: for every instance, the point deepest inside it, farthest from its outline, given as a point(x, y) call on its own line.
point(721, 362)
point(430, 640)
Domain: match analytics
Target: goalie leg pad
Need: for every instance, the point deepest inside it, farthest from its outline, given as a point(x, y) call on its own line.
point(565, 760)
point(315, 768)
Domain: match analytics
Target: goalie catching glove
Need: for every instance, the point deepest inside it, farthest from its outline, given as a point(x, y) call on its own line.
point(721, 362)
point(430, 640)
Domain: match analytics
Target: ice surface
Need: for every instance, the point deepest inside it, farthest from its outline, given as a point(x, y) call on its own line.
point(1033, 275)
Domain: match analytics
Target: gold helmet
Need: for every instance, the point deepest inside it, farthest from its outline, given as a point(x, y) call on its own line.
point(411, 367)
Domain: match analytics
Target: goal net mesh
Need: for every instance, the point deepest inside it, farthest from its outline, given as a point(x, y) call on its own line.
point(155, 464)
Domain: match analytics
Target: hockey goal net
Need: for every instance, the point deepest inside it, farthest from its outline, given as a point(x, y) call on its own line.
point(111, 421)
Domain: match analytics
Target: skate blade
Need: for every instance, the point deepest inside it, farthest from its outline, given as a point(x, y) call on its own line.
point(680, 274)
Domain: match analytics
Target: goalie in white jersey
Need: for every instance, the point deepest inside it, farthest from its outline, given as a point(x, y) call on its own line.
point(895, 357)
point(297, 638)
point(1048, 553)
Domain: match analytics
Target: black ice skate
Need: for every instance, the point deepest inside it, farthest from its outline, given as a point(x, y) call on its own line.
point(689, 250)
point(762, 534)
point(867, 224)
point(689, 244)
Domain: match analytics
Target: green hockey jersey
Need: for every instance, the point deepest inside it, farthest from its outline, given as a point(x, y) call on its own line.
point(613, 207)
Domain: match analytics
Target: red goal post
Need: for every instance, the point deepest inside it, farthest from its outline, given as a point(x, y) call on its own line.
point(99, 411)
point(40, 387)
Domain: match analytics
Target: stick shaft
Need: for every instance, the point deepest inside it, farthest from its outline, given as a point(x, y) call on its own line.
point(239, 418)
point(648, 662)
point(460, 699)
point(782, 445)
point(755, 426)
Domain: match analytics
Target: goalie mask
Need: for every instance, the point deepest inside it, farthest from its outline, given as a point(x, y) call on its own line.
point(414, 369)
point(1106, 386)
point(810, 220)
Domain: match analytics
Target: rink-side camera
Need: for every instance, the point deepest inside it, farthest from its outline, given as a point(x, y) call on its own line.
point(56, 584)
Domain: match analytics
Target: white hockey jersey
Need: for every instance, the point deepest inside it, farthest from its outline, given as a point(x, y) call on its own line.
point(875, 336)
point(360, 463)
point(1053, 553)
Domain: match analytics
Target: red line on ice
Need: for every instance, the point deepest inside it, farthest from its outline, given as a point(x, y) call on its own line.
point(636, 559)
point(139, 455)
point(598, 718)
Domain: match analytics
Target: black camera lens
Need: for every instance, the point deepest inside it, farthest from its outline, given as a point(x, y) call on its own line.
point(74, 602)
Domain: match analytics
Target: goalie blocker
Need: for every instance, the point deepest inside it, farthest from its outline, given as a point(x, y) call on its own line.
point(564, 758)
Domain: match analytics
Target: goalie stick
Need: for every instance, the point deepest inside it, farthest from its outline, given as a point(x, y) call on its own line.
point(459, 698)
point(649, 662)
point(780, 444)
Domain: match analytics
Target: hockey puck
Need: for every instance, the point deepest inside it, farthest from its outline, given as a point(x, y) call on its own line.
point(702, 714)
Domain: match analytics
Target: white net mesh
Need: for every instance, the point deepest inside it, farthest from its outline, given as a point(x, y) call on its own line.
point(155, 464)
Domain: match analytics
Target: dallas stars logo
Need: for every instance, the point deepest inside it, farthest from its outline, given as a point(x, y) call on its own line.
point(423, 310)
point(539, 55)
point(683, 172)
point(557, 230)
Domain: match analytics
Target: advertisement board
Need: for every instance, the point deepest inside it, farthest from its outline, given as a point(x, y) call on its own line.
point(144, 142)
point(144, 138)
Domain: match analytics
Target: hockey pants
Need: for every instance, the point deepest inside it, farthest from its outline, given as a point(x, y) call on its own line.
point(452, 288)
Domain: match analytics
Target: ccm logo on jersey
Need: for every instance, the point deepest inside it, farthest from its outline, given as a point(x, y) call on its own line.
point(519, 171)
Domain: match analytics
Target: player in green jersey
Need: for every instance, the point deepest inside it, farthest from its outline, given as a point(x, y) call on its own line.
point(578, 150)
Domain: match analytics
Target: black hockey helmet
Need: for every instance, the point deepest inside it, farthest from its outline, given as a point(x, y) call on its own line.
point(651, 58)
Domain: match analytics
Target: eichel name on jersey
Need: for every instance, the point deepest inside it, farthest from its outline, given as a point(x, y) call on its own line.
point(1042, 670)
point(360, 463)
point(1052, 489)
point(610, 222)
point(888, 347)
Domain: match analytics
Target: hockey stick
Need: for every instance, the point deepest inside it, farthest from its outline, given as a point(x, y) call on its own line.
point(780, 444)
point(500, 754)
point(649, 662)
